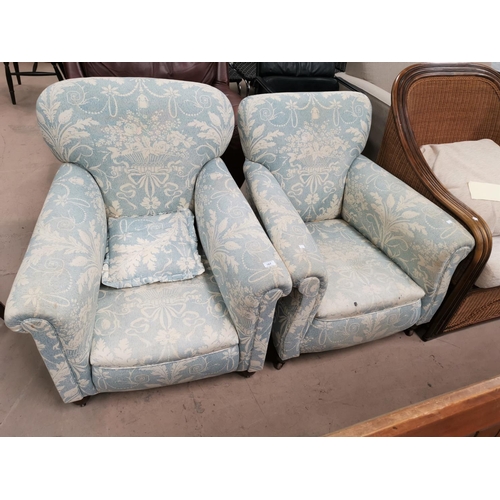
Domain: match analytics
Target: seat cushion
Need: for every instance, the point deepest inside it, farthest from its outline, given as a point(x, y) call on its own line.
point(361, 278)
point(456, 164)
point(490, 277)
point(161, 322)
point(150, 249)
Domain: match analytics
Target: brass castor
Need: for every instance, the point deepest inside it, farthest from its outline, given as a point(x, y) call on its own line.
point(409, 332)
point(82, 402)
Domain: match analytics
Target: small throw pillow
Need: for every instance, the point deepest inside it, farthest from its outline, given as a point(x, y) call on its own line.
point(457, 164)
point(151, 249)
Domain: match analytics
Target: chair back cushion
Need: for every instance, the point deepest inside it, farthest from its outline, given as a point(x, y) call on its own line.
point(202, 72)
point(308, 141)
point(143, 140)
point(293, 84)
point(458, 163)
point(297, 69)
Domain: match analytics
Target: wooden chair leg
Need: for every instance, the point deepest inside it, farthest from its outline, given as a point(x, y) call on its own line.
point(246, 374)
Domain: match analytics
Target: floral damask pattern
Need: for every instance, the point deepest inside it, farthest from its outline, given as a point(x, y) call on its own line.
point(152, 248)
point(115, 379)
point(249, 272)
point(308, 141)
point(383, 268)
point(297, 249)
point(135, 149)
point(426, 242)
point(365, 279)
point(341, 333)
point(54, 295)
point(162, 322)
point(144, 140)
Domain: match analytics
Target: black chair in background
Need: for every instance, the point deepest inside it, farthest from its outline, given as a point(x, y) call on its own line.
point(243, 72)
point(58, 71)
point(274, 77)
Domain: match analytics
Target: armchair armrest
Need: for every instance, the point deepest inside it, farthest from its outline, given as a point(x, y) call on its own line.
point(54, 295)
point(299, 252)
point(250, 275)
point(426, 242)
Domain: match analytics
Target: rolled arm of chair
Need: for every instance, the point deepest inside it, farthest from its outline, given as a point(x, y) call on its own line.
point(421, 238)
point(54, 295)
point(250, 274)
point(299, 252)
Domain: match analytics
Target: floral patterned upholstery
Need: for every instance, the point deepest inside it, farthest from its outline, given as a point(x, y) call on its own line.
point(136, 147)
point(368, 255)
point(151, 248)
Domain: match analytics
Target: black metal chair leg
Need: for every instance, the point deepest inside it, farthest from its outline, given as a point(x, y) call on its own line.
point(16, 69)
point(58, 73)
point(2, 310)
point(10, 84)
point(35, 67)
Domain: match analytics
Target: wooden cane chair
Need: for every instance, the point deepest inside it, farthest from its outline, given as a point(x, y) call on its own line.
point(437, 104)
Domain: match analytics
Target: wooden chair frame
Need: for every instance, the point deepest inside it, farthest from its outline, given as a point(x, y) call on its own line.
point(436, 104)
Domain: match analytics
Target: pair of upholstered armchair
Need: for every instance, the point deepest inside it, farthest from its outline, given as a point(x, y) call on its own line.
point(148, 267)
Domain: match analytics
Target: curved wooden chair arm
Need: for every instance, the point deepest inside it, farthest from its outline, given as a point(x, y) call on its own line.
point(436, 104)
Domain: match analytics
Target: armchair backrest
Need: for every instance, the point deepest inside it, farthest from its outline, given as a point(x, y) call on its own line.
point(308, 141)
point(299, 69)
point(143, 140)
point(202, 72)
point(452, 103)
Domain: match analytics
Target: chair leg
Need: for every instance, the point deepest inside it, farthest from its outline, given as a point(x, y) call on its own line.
point(273, 356)
point(82, 402)
point(2, 310)
point(57, 72)
point(35, 67)
point(16, 69)
point(246, 374)
point(279, 364)
point(8, 76)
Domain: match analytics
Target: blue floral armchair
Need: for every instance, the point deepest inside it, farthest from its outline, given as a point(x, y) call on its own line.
point(368, 255)
point(141, 161)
